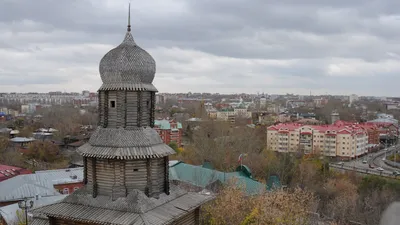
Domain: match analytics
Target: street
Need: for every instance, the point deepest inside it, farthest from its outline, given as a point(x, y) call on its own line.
point(374, 159)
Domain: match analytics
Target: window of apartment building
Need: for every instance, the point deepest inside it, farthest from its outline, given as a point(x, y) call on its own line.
point(65, 191)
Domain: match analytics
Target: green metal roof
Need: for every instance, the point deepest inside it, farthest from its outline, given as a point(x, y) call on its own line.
point(201, 176)
point(165, 125)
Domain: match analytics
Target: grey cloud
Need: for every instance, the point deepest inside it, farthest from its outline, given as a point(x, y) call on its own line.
point(312, 32)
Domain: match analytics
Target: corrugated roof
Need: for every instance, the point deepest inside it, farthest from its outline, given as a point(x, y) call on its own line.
point(41, 183)
point(21, 139)
point(200, 176)
point(166, 124)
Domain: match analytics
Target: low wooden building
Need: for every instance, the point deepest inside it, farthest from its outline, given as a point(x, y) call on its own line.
point(125, 161)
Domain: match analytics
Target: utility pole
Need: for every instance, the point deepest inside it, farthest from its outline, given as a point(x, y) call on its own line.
point(25, 205)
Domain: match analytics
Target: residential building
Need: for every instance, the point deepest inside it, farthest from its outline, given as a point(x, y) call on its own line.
point(330, 140)
point(40, 183)
point(126, 178)
point(353, 98)
point(7, 172)
point(169, 131)
point(371, 129)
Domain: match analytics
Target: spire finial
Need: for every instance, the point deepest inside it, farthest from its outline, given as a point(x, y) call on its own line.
point(129, 18)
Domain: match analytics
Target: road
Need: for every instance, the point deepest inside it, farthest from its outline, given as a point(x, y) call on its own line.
point(373, 159)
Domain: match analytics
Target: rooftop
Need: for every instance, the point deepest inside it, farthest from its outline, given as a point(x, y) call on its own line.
point(202, 177)
point(166, 124)
point(135, 209)
point(338, 127)
point(40, 183)
point(7, 172)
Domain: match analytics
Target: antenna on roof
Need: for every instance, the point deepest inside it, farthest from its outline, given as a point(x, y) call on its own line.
point(129, 17)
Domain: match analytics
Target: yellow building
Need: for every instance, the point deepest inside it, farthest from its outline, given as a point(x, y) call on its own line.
point(330, 140)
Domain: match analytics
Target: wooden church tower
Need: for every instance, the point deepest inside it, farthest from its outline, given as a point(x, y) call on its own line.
point(125, 160)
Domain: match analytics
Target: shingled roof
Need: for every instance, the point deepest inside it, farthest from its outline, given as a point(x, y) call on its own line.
point(114, 143)
point(134, 209)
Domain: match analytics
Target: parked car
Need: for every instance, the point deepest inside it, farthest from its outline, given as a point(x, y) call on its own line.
point(396, 173)
point(371, 166)
point(380, 169)
point(364, 161)
point(340, 163)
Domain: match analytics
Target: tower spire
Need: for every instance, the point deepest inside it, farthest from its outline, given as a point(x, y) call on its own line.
point(129, 18)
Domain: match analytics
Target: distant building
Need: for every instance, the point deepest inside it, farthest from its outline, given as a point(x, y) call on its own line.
point(320, 102)
point(330, 140)
point(7, 172)
point(334, 117)
point(41, 183)
point(263, 101)
point(169, 131)
point(353, 98)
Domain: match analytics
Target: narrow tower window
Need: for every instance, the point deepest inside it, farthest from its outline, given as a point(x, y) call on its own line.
point(112, 104)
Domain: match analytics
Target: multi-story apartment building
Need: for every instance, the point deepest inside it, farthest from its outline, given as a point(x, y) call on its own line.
point(51, 98)
point(342, 141)
point(169, 131)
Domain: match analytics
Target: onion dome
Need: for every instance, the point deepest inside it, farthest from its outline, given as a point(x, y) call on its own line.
point(127, 66)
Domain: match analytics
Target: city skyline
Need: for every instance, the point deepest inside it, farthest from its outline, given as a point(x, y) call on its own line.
point(221, 46)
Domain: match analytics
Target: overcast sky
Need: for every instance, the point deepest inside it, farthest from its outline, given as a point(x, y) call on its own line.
point(226, 46)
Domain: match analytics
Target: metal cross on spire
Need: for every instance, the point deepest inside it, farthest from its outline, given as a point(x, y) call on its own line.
point(129, 18)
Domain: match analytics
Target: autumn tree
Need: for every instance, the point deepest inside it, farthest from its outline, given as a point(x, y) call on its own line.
point(4, 142)
point(43, 151)
point(279, 207)
point(67, 120)
point(173, 145)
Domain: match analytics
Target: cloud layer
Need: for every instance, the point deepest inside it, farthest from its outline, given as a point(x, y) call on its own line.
point(226, 46)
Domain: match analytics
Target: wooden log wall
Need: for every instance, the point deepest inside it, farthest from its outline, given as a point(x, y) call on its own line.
point(89, 172)
point(188, 219)
point(121, 109)
point(119, 188)
point(145, 105)
point(166, 175)
point(57, 221)
point(157, 176)
point(105, 175)
point(136, 175)
point(117, 178)
point(152, 108)
point(101, 108)
point(132, 109)
point(85, 173)
point(112, 112)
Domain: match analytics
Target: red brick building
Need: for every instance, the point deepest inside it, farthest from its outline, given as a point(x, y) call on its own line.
point(169, 131)
point(6, 172)
point(68, 187)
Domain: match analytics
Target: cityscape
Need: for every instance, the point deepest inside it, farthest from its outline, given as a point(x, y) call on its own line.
point(123, 135)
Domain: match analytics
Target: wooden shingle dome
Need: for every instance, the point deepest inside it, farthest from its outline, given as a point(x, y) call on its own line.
point(127, 64)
